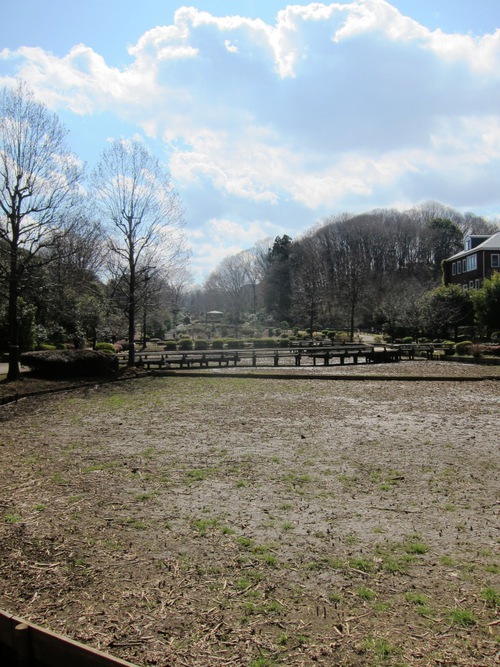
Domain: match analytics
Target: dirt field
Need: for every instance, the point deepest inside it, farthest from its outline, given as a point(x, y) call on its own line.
point(220, 520)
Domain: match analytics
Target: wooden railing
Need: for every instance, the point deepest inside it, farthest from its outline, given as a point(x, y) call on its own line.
point(300, 355)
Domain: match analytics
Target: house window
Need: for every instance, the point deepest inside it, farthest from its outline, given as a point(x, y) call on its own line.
point(471, 284)
point(495, 261)
point(464, 265)
point(459, 267)
point(453, 269)
point(465, 286)
point(478, 283)
point(471, 263)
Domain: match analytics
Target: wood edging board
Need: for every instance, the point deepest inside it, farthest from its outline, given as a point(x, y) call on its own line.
point(24, 644)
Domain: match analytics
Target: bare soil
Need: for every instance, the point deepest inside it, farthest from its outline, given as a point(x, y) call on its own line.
point(205, 519)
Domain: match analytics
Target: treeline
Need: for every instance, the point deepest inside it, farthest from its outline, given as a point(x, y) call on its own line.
point(377, 270)
point(82, 256)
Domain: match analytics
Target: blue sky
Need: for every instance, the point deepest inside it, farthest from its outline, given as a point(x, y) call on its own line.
point(272, 116)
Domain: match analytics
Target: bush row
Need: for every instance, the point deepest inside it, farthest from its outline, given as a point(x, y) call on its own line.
point(70, 363)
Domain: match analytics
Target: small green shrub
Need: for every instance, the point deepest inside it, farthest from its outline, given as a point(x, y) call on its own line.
point(284, 342)
point(463, 347)
point(170, 345)
point(495, 337)
point(105, 347)
point(218, 344)
point(407, 340)
point(201, 344)
point(46, 346)
point(185, 344)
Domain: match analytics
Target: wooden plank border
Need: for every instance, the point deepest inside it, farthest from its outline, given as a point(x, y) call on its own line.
point(24, 644)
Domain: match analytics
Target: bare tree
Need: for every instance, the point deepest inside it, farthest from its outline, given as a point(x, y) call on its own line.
point(38, 184)
point(308, 283)
point(227, 282)
point(142, 212)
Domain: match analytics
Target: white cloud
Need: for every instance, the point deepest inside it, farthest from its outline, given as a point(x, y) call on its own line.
point(333, 105)
point(222, 237)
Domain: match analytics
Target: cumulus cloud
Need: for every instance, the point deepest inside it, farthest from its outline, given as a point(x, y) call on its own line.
point(332, 105)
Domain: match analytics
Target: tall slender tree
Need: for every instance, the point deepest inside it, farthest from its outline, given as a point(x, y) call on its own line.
point(142, 213)
point(38, 185)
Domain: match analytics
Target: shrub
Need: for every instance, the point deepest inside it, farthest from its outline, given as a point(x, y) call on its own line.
point(463, 347)
point(218, 344)
point(407, 340)
point(170, 345)
point(185, 344)
point(495, 336)
point(264, 342)
point(234, 343)
point(284, 342)
point(201, 344)
point(46, 346)
point(105, 347)
point(70, 363)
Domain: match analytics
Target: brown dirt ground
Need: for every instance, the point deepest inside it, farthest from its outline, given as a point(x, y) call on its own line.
point(208, 519)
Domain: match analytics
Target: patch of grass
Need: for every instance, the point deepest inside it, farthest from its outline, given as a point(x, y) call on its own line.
point(394, 565)
point(348, 481)
point(288, 526)
point(416, 598)
point(148, 453)
point(12, 518)
point(245, 542)
point(461, 617)
point(39, 507)
point(492, 568)
point(361, 564)
point(366, 593)
point(57, 478)
point(491, 597)
point(202, 526)
point(146, 495)
point(414, 546)
point(262, 661)
point(447, 561)
point(381, 647)
point(197, 475)
point(296, 480)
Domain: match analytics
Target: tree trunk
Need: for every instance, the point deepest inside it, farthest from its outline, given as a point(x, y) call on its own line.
point(13, 372)
point(131, 311)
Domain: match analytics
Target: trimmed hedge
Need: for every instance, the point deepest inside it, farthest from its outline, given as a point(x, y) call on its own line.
point(185, 344)
point(463, 347)
point(235, 343)
point(264, 342)
point(70, 363)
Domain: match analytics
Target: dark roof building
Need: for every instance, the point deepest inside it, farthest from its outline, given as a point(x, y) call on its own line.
point(479, 259)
